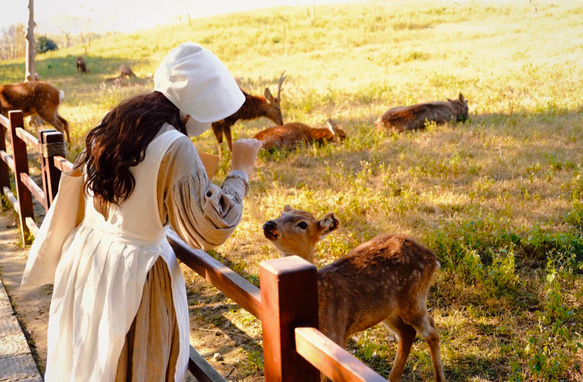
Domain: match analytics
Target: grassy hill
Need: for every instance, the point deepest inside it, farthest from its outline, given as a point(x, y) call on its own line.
point(499, 198)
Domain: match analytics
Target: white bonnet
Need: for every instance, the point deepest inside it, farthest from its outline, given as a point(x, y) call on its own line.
point(198, 83)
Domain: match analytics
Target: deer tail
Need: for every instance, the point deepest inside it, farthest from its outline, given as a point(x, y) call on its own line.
point(61, 96)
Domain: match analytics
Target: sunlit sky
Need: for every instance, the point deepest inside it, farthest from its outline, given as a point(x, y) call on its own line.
point(54, 16)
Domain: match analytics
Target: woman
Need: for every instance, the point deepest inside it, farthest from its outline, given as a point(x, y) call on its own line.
point(119, 309)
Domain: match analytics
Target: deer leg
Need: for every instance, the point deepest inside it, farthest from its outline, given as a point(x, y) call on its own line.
point(65, 124)
point(218, 130)
point(406, 334)
point(52, 118)
point(227, 131)
point(426, 327)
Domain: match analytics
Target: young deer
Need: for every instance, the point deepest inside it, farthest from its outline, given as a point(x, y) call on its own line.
point(383, 280)
point(414, 117)
point(82, 65)
point(291, 134)
point(34, 97)
point(254, 107)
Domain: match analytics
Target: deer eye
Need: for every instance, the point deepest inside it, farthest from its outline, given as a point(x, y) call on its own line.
point(303, 225)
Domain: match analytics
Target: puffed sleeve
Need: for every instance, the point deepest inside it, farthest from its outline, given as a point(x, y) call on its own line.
point(202, 213)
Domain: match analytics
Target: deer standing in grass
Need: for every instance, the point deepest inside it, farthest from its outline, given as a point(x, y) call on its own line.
point(81, 65)
point(292, 134)
point(254, 107)
point(386, 279)
point(414, 117)
point(126, 71)
point(34, 97)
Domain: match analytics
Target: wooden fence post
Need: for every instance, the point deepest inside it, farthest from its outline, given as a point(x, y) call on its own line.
point(4, 169)
point(51, 144)
point(289, 298)
point(20, 156)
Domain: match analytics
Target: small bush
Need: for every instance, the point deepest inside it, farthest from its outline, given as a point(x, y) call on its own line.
point(45, 44)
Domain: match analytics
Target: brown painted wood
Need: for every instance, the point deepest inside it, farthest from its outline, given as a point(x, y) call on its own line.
point(31, 224)
point(201, 369)
point(63, 164)
point(44, 170)
point(33, 188)
point(290, 300)
point(11, 198)
point(222, 277)
point(6, 158)
point(331, 359)
point(51, 174)
point(28, 139)
point(4, 167)
point(21, 166)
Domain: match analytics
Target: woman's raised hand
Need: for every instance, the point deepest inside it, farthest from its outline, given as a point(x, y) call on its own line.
point(244, 154)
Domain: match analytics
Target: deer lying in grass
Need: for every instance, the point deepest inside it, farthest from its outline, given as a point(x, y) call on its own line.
point(291, 134)
point(254, 107)
point(35, 97)
point(414, 117)
point(81, 65)
point(385, 279)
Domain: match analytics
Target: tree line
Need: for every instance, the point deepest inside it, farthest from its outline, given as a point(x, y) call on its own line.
point(13, 41)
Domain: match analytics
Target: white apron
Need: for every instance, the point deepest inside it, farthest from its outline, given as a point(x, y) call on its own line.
point(100, 279)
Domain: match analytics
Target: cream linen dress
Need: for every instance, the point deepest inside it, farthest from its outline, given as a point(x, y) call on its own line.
point(100, 282)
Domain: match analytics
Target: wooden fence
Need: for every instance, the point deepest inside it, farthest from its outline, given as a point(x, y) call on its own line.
point(286, 304)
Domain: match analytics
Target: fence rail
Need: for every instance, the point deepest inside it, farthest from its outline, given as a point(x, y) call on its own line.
point(286, 304)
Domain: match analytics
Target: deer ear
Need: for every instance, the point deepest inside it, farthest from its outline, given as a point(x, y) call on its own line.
point(268, 95)
point(461, 97)
point(330, 126)
point(287, 208)
point(328, 224)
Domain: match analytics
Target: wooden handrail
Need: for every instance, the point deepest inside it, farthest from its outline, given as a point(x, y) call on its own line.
point(28, 138)
point(7, 159)
point(332, 360)
point(63, 164)
point(35, 190)
point(222, 277)
point(11, 198)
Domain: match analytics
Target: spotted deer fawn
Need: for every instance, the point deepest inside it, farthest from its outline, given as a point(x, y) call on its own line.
point(34, 97)
point(292, 134)
point(254, 107)
point(383, 280)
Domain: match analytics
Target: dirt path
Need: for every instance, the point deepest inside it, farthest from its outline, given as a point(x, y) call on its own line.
point(31, 306)
point(234, 350)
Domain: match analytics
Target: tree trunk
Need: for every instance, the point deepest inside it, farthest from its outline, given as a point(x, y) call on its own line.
point(30, 72)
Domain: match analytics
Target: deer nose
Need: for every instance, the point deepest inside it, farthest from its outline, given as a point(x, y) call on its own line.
point(270, 230)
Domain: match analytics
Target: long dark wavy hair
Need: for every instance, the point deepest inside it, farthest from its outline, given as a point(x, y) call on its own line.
point(119, 142)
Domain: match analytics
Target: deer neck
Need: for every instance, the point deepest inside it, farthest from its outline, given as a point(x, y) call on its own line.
point(257, 107)
point(307, 254)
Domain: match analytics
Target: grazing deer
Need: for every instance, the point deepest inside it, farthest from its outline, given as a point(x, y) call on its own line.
point(81, 65)
point(383, 280)
point(415, 116)
point(254, 107)
point(291, 134)
point(126, 71)
point(34, 97)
